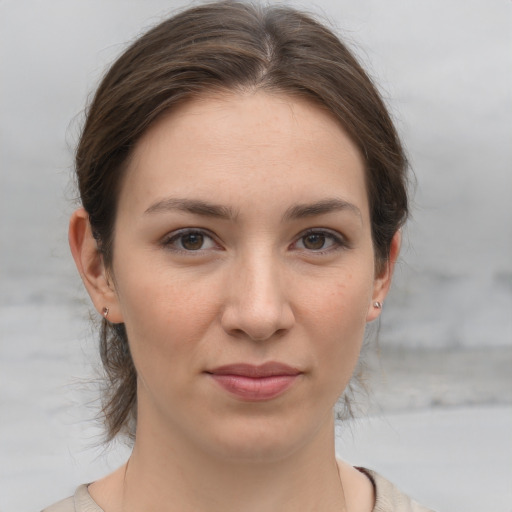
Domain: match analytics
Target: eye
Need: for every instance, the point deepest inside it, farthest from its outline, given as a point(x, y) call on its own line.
point(319, 241)
point(189, 240)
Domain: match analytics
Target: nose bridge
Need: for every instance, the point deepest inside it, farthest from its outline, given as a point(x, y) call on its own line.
point(257, 302)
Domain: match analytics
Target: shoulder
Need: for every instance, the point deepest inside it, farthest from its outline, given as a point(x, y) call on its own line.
point(388, 498)
point(81, 501)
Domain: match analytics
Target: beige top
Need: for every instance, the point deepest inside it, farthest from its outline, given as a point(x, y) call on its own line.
point(387, 499)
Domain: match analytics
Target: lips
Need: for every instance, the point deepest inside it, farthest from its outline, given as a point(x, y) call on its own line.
point(255, 383)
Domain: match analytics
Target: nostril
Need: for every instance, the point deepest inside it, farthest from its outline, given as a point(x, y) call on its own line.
point(258, 325)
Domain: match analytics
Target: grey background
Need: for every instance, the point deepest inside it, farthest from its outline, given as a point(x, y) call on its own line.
point(445, 69)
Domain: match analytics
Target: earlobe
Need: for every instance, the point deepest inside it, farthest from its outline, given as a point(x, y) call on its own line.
point(382, 281)
point(90, 265)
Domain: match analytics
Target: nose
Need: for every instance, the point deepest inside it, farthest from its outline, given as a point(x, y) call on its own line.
point(257, 306)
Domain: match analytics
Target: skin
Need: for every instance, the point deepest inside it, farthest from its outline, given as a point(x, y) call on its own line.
point(252, 283)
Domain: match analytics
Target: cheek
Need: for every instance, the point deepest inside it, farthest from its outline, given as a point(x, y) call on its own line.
point(337, 325)
point(342, 304)
point(166, 318)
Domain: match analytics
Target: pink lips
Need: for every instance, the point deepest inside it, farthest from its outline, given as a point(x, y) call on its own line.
point(255, 383)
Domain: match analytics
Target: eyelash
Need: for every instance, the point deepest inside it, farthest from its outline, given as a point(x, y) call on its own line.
point(178, 236)
point(337, 241)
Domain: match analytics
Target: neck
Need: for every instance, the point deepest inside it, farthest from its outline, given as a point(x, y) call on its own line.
point(167, 474)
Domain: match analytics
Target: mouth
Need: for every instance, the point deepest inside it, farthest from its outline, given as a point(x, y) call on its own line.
point(255, 382)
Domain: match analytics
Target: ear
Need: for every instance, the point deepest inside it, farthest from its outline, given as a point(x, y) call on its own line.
point(90, 265)
point(382, 281)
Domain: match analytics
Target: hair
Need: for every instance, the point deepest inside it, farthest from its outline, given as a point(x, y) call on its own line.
point(225, 46)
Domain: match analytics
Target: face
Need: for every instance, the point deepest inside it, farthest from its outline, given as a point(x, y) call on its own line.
point(243, 270)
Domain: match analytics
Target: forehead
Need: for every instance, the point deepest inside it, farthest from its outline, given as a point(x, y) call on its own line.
point(250, 119)
point(236, 144)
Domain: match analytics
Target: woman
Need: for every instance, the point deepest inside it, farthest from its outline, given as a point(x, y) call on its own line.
point(243, 191)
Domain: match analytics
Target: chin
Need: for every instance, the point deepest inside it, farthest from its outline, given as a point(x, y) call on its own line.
point(264, 440)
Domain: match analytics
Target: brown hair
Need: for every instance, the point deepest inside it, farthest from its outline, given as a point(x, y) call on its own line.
point(226, 46)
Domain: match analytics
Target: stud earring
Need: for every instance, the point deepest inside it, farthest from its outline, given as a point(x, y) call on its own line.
point(377, 305)
point(105, 312)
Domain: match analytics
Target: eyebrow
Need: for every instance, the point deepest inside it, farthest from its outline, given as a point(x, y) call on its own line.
point(320, 208)
point(194, 206)
point(207, 209)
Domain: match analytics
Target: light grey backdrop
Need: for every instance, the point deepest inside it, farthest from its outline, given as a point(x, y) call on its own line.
point(445, 69)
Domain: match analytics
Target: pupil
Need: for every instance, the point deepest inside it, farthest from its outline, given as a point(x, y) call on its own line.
point(192, 241)
point(314, 241)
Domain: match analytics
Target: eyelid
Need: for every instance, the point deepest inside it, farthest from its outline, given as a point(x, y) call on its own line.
point(339, 240)
point(173, 236)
